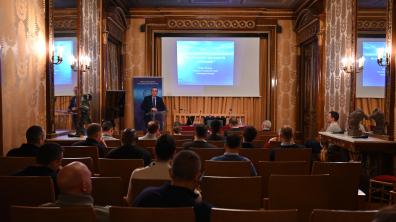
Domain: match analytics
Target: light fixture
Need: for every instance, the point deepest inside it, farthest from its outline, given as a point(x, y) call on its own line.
point(381, 53)
point(59, 55)
point(348, 64)
point(83, 63)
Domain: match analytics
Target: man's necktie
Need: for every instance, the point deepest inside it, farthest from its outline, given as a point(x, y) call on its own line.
point(154, 102)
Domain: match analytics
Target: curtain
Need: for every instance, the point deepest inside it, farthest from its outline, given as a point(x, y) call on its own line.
point(113, 67)
point(368, 105)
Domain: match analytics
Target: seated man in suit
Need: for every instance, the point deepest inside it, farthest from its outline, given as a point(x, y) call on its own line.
point(129, 149)
point(152, 104)
point(158, 169)
point(152, 131)
point(35, 138)
point(94, 138)
point(249, 134)
point(234, 127)
point(215, 127)
point(232, 147)
point(199, 139)
point(48, 162)
point(185, 173)
point(74, 181)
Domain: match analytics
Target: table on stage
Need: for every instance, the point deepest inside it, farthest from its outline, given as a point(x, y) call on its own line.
point(199, 117)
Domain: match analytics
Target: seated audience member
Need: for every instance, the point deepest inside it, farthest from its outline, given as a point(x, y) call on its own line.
point(287, 140)
point(387, 214)
point(74, 181)
point(234, 127)
point(249, 134)
point(152, 131)
point(94, 138)
point(129, 149)
point(48, 163)
point(232, 147)
point(332, 120)
point(107, 130)
point(177, 131)
point(266, 125)
point(34, 139)
point(215, 127)
point(199, 139)
point(158, 169)
point(185, 173)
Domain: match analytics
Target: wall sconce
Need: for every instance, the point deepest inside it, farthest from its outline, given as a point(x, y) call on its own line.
point(59, 55)
point(83, 63)
point(348, 64)
point(381, 53)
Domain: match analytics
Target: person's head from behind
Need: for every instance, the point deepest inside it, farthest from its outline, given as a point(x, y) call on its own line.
point(107, 128)
point(233, 143)
point(200, 131)
point(35, 135)
point(186, 169)
point(215, 126)
point(50, 155)
point(266, 126)
point(387, 214)
point(128, 137)
point(152, 127)
point(286, 134)
point(94, 131)
point(249, 134)
point(233, 122)
point(154, 91)
point(332, 116)
point(75, 179)
point(177, 130)
point(165, 148)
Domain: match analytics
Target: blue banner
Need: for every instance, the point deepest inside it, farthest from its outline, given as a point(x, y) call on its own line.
point(141, 88)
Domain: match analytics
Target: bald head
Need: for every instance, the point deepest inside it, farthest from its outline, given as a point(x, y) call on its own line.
point(75, 179)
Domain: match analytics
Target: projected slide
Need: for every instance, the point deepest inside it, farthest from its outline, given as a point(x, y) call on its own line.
point(205, 63)
point(63, 74)
point(373, 74)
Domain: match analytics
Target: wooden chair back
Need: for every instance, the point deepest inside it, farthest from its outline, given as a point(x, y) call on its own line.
point(183, 137)
point(82, 151)
point(119, 168)
point(128, 214)
point(255, 154)
point(179, 143)
point(227, 168)
point(50, 214)
point(108, 191)
point(11, 165)
point(342, 215)
point(113, 143)
point(138, 185)
point(302, 192)
point(207, 154)
point(146, 143)
point(266, 168)
point(232, 192)
point(257, 143)
point(236, 215)
point(85, 160)
point(293, 154)
point(217, 143)
point(24, 190)
point(347, 175)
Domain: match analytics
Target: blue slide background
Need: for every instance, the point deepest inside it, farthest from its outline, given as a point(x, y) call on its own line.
point(205, 63)
point(63, 74)
point(373, 74)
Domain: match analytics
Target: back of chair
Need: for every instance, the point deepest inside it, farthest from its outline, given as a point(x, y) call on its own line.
point(82, 151)
point(207, 153)
point(24, 190)
point(113, 143)
point(11, 165)
point(255, 154)
point(138, 185)
point(302, 192)
point(232, 192)
point(227, 168)
point(119, 168)
point(51, 214)
point(146, 143)
point(128, 214)
point(293, 154)
point(108, 191)
point(234, 215)
point(217, 143)
point(85, 160)
point(347, 175)
point(266, 168)
point(342, 215)
point(257, 143)
point(179, 143)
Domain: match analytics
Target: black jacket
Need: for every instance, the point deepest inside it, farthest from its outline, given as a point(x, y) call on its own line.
point(25, 150)
point(147, 104)
point(130, 152)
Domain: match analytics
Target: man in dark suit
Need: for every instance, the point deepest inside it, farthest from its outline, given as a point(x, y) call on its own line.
point(200, 139)
point(73, 108)
point(151, 105)
point(94, 138)
point(35, 138)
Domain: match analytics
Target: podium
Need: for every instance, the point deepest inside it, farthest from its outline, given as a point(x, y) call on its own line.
point(159, 116)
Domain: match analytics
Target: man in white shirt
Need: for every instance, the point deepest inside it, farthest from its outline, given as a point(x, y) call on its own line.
point(152, 131)
point(159, 169)
point(332, 120)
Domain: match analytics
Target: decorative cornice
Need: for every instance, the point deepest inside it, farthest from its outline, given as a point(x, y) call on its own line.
point(371, 25)
point(65, 25)
point(211, 24)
